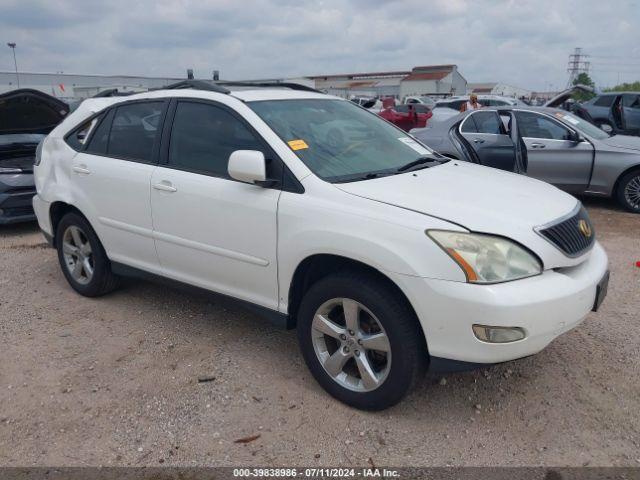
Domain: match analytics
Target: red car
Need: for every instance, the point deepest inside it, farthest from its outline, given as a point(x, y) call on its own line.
point(405, 116)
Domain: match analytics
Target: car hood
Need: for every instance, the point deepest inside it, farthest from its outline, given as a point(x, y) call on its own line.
point(30, 111)
point(563, 96)
point(480, 199)
point(623, 141)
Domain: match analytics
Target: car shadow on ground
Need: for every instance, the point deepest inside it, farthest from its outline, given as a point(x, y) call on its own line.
point(601, 203)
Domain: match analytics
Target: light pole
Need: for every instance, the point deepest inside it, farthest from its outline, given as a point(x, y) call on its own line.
point(12, 46)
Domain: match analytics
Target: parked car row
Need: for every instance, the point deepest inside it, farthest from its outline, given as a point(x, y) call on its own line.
point(549, 144)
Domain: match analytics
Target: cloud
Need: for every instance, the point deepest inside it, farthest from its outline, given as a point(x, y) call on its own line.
point(521, 43)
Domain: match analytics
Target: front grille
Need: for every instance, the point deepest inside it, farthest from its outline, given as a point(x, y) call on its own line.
point(573, 236)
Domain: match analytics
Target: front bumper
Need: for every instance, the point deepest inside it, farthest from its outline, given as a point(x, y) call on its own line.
point(15, 207)
point(16, 192)
point(544, 306)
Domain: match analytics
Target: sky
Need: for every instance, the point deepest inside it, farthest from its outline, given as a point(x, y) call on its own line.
point(522, 43)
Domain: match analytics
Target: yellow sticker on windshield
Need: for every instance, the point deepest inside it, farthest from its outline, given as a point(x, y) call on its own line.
point(297, 144)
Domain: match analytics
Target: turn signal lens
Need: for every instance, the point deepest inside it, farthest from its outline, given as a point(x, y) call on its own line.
point(489, 334)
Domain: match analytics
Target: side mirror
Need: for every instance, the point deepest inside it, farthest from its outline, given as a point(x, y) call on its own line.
point(248, 166)
point(574, 137)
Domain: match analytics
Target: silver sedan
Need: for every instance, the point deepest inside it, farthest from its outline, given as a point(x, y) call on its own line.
point(544, 143)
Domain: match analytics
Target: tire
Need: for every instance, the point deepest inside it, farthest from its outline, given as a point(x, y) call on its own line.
point(628, 191)
point(605, 126)
point(396, 371)
point(93, 277)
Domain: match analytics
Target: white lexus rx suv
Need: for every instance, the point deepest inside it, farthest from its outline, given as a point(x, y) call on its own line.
point(387, 257)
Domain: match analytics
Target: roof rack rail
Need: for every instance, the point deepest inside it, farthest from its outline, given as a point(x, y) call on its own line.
point(112, 92)
point(290, 85)
point(196, 85)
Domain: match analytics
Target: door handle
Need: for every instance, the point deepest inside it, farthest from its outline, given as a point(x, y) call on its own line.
point(81, 169)
point(165, 186)
point(478, 140)
point(538, 145)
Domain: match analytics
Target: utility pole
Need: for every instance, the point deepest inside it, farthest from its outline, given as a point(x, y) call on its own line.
point(12, 46)
point(578, 64)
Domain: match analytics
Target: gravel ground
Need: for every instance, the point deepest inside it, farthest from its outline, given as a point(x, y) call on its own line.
point(114, 381)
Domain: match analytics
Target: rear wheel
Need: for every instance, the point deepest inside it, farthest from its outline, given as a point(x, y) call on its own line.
point(82, 258)
point(628, 192)
point(360, 340)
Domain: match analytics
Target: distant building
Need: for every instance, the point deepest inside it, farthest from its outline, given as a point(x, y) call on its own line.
point(427, 80)
point(371, 84)
point(498, 88)
point(63, 85)
point(439, 80)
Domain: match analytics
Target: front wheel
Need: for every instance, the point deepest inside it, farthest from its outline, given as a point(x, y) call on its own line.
point(360, 340)
point(628, 192)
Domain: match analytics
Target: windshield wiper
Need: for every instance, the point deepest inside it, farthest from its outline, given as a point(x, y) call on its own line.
point(366, 176)
point(422, 161)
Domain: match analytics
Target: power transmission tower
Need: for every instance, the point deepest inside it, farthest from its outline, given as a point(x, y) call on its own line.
point(578, 64)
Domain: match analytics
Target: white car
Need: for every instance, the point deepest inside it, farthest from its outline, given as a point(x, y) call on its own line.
point(421, 100)
point(387, 257)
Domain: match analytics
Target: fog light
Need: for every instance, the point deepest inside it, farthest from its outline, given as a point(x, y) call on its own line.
point(489, 334)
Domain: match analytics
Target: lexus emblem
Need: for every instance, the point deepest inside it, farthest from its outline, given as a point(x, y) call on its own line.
point(585, 228)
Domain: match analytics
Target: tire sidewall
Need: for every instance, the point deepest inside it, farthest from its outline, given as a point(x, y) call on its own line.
point(101, 267)
point(404, 354)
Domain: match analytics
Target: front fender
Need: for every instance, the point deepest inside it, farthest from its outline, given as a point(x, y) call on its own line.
point(387, 238)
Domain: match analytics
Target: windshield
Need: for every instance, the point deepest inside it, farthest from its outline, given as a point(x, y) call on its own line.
point(340, 141)
point(582, 125)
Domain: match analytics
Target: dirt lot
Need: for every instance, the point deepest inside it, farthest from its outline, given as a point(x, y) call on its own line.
point(114, 381)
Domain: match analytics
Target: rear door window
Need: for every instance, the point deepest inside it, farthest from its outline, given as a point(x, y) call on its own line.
point(134, 131)
point(469, 125)
point(487, 122)
point(80, 135)
point(100, 137)
point(604, 101)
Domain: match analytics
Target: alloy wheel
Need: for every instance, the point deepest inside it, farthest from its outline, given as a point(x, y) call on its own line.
point(632, 192)
point(351, 344)
point(77, 253)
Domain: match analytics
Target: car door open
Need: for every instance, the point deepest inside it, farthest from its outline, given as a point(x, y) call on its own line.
point(555, 154)
point(485, 134)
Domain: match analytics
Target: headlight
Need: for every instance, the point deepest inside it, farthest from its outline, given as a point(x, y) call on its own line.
point(486, 258)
